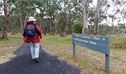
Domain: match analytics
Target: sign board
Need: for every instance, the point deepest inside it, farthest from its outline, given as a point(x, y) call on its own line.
point(93, 42)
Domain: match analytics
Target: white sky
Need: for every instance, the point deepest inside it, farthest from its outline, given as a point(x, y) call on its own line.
point(94, 2)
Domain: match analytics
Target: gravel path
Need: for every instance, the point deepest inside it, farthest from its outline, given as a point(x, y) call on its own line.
point(23, 64)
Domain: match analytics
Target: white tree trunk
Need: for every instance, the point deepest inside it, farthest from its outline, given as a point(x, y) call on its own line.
point(4, 34)
point(97, 17)
point(85, 17)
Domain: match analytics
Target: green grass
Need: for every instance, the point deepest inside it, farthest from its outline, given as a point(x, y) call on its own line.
point(118, 42)
point(10, 45)
point(18, 35)
point(118, 39)
point(57, 39)
point(11, 40)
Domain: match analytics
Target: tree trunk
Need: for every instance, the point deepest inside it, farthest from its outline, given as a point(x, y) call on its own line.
point(25, 18)
point(62, 29)
point(85, 17)
point(113, 27)
point(53, 25)
point(4, 32)
point(20, 16)
point(21, 24)
point(97, 17)
point(66, 29)
point(6, 15)
point(66, 19)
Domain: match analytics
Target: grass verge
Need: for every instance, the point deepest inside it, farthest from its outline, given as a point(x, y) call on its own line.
point(86, 59)
point(7, 47)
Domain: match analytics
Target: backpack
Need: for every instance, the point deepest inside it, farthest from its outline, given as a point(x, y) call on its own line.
point(30, 30)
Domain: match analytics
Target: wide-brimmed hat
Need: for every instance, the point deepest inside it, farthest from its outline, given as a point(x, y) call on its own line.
point(31, 19)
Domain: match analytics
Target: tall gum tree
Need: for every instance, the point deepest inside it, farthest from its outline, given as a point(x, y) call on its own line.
point(85, 16)
point(6, 8)
point(118, 13)
point(97, 16)
point(6, 16)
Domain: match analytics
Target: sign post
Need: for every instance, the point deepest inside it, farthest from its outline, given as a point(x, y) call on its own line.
point(74, 50)
point(93, 42)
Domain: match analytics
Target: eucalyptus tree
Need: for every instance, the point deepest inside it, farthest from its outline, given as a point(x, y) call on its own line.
point(17, 10)
point(87, 14)
point(68, 6)
point(27, 8)
point(85, 4)
point(48, 12)
point(121, 14)
point(111, 15)
point(115, 10)
point(63, 5)
point(51, 12)
point(71, 10)
point(6, 15)
point(97, 16)
point(7, 8)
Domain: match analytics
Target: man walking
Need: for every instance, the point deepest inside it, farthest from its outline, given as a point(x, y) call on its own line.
point(32, 34)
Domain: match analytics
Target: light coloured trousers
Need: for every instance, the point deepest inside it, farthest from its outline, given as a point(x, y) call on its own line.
point(34, 47)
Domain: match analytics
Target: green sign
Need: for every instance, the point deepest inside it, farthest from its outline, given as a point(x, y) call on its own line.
point(93, 42)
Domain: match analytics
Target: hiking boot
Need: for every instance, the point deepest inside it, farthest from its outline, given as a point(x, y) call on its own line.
point(36, 60)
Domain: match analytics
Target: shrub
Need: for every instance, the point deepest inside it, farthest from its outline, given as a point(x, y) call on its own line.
point(77, 27)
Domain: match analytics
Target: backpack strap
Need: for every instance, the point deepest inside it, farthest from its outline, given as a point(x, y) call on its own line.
point(34, 24)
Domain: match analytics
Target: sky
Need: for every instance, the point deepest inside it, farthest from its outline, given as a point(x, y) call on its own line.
point(94, 2)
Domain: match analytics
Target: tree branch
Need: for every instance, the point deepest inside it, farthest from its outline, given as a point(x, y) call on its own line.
point(82, 3)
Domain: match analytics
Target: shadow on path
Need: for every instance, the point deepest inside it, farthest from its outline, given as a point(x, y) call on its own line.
point(23, 64)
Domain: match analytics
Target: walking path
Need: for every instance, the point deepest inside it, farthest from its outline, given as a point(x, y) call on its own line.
point(23, 64)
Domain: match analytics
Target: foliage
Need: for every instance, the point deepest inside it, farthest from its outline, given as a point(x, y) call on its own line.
point(91, 16)
point(14, 23)
point(77, 27)
point(90, 29)
point(104, 29)
point(20, 10)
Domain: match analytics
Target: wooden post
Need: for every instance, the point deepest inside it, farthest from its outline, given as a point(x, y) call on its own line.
point(107, 59)
point(74, 50)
